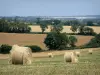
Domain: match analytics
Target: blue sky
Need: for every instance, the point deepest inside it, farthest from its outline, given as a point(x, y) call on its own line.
point(49, 7)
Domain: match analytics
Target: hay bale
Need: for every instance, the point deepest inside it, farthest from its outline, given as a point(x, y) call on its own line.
point(77, 53)
point(90, 51)
point(20, 55)
point(70, 57)
point(50, 55)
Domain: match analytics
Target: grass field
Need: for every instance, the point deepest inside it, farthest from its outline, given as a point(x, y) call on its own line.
point(87, 65)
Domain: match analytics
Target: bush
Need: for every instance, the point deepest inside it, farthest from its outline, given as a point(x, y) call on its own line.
point(5, 49)
point(94, 42)
point(56, 41)
point(35, 48)
point(72, 41)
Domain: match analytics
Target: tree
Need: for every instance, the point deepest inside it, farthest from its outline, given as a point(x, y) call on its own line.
point(38, 20)
point(56, 41)
point(90, 23)
point(56, 22)
point(81, 29)
point(43, 26)
point(98, 23)
point(74, 25)
point(3, 25)
point(94, 42)
point(67, 23)
point(57, 28)
point(74, 28)
point(88, 30)
point(72, 41)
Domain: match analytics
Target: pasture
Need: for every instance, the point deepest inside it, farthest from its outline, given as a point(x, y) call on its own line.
point(89, 64)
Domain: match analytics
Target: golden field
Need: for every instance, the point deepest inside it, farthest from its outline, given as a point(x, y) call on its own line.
point(65, 29)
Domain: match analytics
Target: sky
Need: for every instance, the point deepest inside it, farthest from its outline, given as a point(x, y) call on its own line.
point(49, 7)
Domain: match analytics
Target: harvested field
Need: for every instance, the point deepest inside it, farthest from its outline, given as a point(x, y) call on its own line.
point(87, 65)
point(34, 39)
point(65, 29)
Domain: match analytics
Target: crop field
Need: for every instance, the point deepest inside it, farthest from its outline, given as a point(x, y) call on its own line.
point(65, 29)
point(89, 64)
point(34, 39)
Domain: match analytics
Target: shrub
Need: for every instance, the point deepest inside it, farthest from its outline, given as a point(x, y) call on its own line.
point(72, 40)
point(94, 42)
point(35, 48)
point(5, 49)
point(56, 41)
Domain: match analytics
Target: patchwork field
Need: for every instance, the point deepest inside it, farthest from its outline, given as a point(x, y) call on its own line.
point(65, 29)
point(89, 64)
point(33, 39)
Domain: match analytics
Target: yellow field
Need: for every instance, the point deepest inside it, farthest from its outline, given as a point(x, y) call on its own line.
point(65, 29)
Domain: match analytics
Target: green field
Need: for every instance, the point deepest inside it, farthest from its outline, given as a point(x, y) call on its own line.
point(87, 65)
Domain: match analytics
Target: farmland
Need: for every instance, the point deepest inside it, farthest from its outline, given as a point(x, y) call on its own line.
point(65, 29)
point(34, 39)
point(87, 65)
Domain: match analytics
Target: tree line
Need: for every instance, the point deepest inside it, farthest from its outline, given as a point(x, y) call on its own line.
point(76, 26)
point(13, 27)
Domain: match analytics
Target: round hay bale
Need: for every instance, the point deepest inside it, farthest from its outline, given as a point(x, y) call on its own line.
point(90, 51)
point(20, 55)
point(70, 57)
point(50, 55)
point(77, 53)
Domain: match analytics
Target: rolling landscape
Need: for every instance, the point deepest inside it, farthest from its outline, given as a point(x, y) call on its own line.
point(54, 37)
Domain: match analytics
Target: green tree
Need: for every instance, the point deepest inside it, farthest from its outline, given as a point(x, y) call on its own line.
point(56, 41)
point(94, 42)
point(74, 28)
point(38, 20)
point(57, 28)
point(90, 23)
point(72, 41)
point(3, 25)
point(88, 30)
point(43, 26)
point(56, 22)
point(81, 29)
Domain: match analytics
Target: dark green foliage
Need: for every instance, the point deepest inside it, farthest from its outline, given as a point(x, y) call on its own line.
point(18, 28)
point(56, 22)
point(88, 31)
point(72, 41)
point(94, 42)
point(83, 30)
point(56, 40)
point(5, 49)
point(35, 48)
point(90, 23)
point(74, 28)
point(38, 21)
point(72, 22)
point(13, 27)
point(3, 25)
point(43, 26)
point(57, 28)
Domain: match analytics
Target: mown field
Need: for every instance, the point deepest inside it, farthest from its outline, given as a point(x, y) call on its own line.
point(66, 29)
point(34, 39)
point(87, 65)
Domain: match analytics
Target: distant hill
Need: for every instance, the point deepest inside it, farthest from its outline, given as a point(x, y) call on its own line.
point(34, 18)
